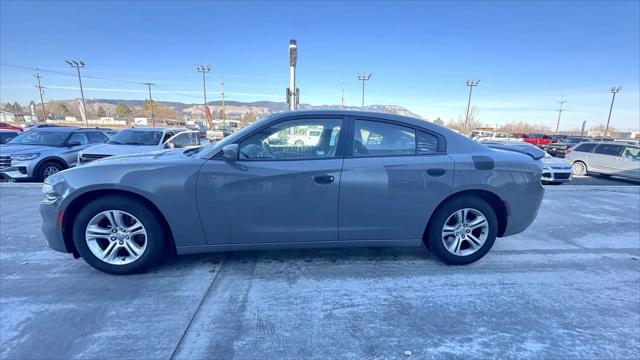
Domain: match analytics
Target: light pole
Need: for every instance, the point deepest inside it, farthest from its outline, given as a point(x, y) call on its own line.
point(470, 84)
point(614, 91)
point(293, 93)
point(562, 101)
point(78, 65)
point(204, 69)
point(364, 78)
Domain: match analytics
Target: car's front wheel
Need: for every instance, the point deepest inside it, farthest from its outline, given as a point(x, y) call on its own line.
point(463, 230)
point(118, 235)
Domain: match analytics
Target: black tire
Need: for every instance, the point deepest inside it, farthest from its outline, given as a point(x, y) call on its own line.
point(579, 168)
point(605, 175)
point(41, 172)
point(434, 233)
point(156, 240)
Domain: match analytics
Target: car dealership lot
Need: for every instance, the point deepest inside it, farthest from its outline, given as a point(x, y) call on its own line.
point(568, 287)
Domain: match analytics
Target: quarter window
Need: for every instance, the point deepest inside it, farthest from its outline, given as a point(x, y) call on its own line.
point(608, 149)
point(294, 139)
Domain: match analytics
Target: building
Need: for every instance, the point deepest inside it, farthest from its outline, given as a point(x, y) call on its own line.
point(7, 117)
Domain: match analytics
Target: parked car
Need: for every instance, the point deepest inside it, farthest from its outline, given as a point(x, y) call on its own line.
point(606, 159)
point(37, 154)
point(558, 149)
point(557, 138)
point(539, 140)
point(554, 171)
point(388, 181)
point(6, 135)
point(138, 140)
point(5, 126)
point(496, 136)
point(40, 126)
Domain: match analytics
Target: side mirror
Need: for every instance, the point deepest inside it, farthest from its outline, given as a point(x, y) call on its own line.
point(230, 152)
point(74, 143)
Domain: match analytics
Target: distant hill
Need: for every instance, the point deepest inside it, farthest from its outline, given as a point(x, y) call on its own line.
point(233, 109)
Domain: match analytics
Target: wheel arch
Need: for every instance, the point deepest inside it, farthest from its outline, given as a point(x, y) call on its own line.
point(55, 159)
point(496, 203)
point(75, 206)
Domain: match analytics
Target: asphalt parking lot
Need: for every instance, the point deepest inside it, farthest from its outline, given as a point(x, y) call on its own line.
point(569, 287)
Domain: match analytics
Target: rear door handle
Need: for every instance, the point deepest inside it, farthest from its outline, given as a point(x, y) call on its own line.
point(435, 172)
point(323, 179)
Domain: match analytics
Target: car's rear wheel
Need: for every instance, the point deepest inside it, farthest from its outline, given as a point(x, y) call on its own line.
point(118, 235)
point(47, 169)
point(463, 230)
point(579, 168)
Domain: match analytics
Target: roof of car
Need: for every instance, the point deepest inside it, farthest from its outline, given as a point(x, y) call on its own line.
point(67, 129)
point(155, 129)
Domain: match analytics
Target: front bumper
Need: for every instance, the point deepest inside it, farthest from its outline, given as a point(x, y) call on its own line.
point(51, 228)
point(557, 176)
point(18, 170)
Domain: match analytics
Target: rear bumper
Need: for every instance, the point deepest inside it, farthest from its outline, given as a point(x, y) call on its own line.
point(50, 228)
point(524, 208)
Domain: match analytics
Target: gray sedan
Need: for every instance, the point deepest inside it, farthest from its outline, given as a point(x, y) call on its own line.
point(367, 179)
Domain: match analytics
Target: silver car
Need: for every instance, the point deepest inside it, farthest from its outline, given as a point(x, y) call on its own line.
point(371, 179)
point(605, 158)
point(39, 153)
point(138, 140)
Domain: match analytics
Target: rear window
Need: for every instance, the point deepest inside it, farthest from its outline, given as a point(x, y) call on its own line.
point(608, 149)
point(585, 147)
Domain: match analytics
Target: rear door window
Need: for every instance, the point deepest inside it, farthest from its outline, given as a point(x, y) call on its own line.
point(373, 138)
point(585, 147)
point(608, 149)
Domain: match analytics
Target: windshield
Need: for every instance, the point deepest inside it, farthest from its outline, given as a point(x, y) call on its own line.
point(136, 137)
point(41, 137)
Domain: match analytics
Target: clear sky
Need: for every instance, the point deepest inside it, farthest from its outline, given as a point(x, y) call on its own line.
point(527, 54)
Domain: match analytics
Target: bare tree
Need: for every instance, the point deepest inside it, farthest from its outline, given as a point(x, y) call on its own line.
point(473, 123)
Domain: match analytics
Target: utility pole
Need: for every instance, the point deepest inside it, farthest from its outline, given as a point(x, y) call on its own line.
point(153, 119)
point(78, 65)
point(40, 88)
point(561, 102)
point(584, 123)
point(222, 96)
point(470, 84)
point(364, 78)
point(204, 69)
point(614, 91)
point(342, 98)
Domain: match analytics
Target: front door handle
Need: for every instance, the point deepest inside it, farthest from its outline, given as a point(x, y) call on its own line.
point(323, 179)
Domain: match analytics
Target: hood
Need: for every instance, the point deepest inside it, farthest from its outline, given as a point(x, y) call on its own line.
point(115, 149)
point(556, 162)
point(144, 157)
point(8, 149)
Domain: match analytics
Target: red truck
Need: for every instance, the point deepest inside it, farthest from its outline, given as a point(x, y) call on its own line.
point(539, 140)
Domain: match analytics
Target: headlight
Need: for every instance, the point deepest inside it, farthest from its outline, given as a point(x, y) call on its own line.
point(49, 188)
point(23, 157)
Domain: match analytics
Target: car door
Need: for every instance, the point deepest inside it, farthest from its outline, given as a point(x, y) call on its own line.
point(628, 164)
point(276, 191)
point(604, 158)
point(70, 155)
point(393, 177)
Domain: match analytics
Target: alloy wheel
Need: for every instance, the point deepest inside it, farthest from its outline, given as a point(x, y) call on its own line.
point(465, 231)
point(50, 170)
point(116, 237)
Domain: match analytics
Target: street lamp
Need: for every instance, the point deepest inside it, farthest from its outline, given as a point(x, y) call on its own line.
point(614, 91)
point(204, 69)
point(470, 84)
point(78, 65)
point(364, 77)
